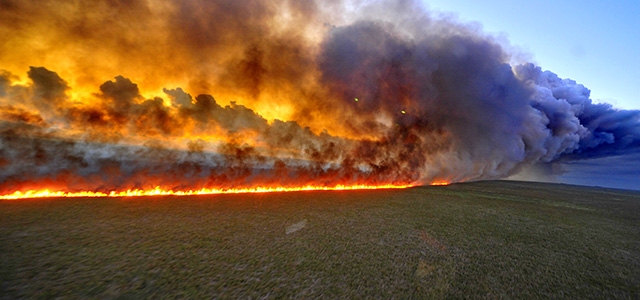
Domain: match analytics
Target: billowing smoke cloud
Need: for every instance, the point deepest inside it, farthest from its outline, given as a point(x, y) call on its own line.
point(312, 94)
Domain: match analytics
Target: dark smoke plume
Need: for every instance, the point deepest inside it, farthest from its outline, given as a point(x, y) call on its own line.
point(306, 93)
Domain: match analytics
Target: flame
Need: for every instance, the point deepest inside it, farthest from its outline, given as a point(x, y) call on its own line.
point(440, 183)
point(45, 193)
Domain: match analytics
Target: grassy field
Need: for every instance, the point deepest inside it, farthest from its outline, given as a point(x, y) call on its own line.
point(481, 240)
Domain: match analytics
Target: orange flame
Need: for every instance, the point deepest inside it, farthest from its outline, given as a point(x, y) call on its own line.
point(45, 193)
point(440, 183)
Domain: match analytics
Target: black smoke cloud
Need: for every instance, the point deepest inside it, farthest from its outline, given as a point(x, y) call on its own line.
point(437, 100)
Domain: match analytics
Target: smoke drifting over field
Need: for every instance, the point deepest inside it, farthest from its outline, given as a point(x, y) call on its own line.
point(186, 95)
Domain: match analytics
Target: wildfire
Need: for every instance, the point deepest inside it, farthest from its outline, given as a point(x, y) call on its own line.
point(439, 183)
point(45, 193)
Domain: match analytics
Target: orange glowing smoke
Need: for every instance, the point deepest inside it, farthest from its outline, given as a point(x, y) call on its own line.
point(162, 192)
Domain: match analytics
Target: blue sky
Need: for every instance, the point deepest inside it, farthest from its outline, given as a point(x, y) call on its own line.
point(596, 43)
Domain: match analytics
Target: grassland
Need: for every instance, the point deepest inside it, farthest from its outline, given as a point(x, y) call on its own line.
point(481, 240)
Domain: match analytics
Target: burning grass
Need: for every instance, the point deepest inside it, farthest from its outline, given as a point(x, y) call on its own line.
point(486, 239)
point(45, 193)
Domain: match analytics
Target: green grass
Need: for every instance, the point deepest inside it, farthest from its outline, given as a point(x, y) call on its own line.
point(480, 240)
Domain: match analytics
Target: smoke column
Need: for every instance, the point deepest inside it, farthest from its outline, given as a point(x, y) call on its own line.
point(227, 94)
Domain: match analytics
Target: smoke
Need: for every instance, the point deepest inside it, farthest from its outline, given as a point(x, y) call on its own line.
point(580, 129)
point(306, 93)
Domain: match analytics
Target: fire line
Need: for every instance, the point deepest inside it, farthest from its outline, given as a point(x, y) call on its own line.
point(45, 193)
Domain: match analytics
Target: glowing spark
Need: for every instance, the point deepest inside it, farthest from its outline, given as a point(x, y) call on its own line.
point(163, 192)
point(403, 112)
point(356, 99)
